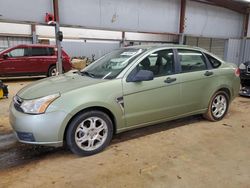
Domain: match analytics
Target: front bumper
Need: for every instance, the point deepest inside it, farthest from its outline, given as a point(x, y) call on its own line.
point(245, 78)
point(42, 129)
point(245, 91)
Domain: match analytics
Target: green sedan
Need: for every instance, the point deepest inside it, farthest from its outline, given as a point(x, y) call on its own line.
point(128, 88)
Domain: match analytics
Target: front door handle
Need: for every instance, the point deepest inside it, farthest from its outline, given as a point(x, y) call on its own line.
point(208, 73)
point(170, 80)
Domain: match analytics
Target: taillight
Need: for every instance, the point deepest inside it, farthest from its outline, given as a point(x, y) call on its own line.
point(237, 72)
point(67, 58)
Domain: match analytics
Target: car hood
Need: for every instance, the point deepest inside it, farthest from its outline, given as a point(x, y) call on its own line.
point(58, 84)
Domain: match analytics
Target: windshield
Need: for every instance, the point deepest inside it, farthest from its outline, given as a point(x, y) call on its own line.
point(2, 50)
point(111, 64)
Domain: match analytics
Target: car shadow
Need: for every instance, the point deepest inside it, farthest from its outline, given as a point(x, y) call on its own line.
point(21, 79)
point(13, 153)
point(152, 129)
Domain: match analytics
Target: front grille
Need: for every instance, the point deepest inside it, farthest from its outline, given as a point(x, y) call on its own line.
point(17, 103)
point(26, 136)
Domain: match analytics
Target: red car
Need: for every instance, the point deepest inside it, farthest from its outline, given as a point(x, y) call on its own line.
point(31, 59)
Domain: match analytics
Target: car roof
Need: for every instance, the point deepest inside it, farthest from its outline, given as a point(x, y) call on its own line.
point(173, 46)
point(156, 46)
point(27, 45)
point(35, 45)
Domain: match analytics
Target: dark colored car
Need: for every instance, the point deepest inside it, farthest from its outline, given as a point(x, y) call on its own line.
point(31, 59)
point(245, 79)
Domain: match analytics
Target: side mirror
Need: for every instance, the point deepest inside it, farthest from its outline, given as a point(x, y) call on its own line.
point(5, 56)
point(142, 75)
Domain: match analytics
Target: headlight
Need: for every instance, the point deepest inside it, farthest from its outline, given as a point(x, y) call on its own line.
point(242, 66)
point(38, 106)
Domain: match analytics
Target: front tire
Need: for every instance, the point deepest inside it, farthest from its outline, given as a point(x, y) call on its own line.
point(218, 106)
point(89, 133)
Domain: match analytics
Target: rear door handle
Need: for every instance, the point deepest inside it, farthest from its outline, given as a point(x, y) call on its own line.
point(170, 80)
point(208, 73)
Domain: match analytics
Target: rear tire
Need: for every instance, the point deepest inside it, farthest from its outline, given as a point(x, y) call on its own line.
point(89, 133)
point(218, 106)
point(52, 71)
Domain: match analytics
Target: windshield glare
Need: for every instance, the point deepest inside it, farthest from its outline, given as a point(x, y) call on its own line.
point(111, 64)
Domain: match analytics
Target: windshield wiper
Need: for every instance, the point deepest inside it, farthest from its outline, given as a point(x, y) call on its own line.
point(88, 74)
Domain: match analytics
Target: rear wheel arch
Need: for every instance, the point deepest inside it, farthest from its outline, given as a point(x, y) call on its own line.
point(50, 66)
point(228, 92)
point(218, 105)
point(222, 88)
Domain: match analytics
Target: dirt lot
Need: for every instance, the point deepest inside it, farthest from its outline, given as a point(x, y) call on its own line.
point(190, 152)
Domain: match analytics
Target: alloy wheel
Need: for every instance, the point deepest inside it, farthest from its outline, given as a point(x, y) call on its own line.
point(53, 72)
point(91, 133)
point(219, 106)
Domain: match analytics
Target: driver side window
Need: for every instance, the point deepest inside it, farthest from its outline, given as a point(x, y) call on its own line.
point(161, 63)
point(18, 52)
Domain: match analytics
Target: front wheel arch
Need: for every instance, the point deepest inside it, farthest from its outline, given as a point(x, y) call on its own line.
point(98, 108)
point(89, 133)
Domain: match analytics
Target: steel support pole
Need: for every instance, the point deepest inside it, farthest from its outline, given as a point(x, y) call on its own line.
point(33, 33)
point(58, 43)
point(182, 22)
point(59, 50)
point(244, 39)
point(122, 43)
point(181, 38)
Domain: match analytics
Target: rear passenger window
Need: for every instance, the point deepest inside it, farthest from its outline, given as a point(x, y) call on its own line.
point(191, 61)
point(214, 62)
point(51, 51)
point(39, 52)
